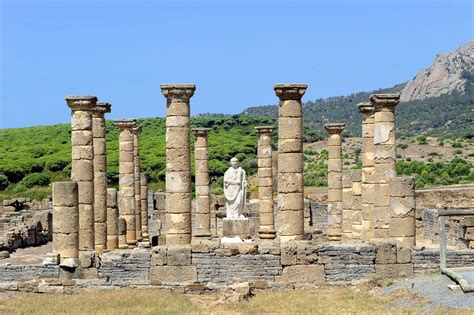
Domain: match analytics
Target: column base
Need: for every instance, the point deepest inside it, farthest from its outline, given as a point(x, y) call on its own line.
point(266, 234)
point(202, 234)
point(287, 238)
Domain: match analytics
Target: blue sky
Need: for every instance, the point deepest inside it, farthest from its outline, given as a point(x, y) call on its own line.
point(234, 51)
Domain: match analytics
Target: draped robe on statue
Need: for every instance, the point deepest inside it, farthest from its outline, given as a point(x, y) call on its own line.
point(235, 191)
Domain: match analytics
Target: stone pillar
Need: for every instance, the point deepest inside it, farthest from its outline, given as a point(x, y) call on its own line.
point(112, 219)
point(203, 219)
point(357, 204)
point(368, 193)
point(126, 198)
point(100, 176)
point(178, 163)
point(290, 161)
point(122, 233)
point(402, 210)
point(335, 180)
point(384, 158)
point(138, 198)
point(82, 170)
point(144, 205)
point(347, 205)
point(265, 183)
point(65, 220)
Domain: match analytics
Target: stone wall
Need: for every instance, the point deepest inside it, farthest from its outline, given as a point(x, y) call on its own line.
point(424, 260)
point(15, 273)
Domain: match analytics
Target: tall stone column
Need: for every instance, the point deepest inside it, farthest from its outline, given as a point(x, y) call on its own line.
point(290, 161)
point(357, 204)
point(265, 183)
point(203, 219)
point(112, 219)
point(368, 181)
point(178, 163)
point(126, 199)
point(138, 202)
point(82, 170)
point(402, 210)
point(335, 180)
point(347, 204)
point(144, 204)
point(384, 158)
point(100, 175)
point(65, 220)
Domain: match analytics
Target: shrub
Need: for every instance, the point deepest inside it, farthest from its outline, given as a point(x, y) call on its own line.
point(3, 182)
point(456, 145)
point(402, 146)
point(35, 179)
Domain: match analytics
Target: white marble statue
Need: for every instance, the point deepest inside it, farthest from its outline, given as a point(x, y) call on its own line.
point(235, 190)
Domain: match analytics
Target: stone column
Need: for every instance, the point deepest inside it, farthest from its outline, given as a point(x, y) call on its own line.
point(290, 161)
point(402, 210)
point(384, 158)
point(347, 205)
point(368, 193)
point(126, 198)
point(82, 170)
point(138, 201)
point(335, 180)
point(357, 204)
point(144, 205)
point(112, 219)
point(122, 233)
point(65, 220)
point(265, 183)
point(203, 219)
point(100, 176)
point(178, 163)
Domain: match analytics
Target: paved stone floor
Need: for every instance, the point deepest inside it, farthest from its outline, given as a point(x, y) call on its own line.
point(28, 256)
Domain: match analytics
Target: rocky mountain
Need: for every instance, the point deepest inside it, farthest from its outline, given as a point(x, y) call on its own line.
point(444, 76)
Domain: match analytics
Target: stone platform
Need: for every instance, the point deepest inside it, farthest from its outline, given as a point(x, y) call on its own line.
point(236, 227)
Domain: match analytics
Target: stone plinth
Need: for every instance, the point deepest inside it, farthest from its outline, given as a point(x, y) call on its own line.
point(82, 168)
point(367, 155)
point(290, 161)
point(138, 203)
point(112, 219)
point(144, 204)
point(335, 180)
point(265, 183)
point(402, 210)
point(236, 227)
point(126, 198)
point(100, 175)
point(203, 219)
point(178, 163)
point(385, 156)
point(65, 220)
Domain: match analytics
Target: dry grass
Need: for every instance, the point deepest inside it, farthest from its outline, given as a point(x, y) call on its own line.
point(328, 300)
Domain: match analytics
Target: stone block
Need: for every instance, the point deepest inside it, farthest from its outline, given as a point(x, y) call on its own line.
point(402, 207)
point(386, 252)
point(402, 186)
point(172, 274)
point(290, 145)
point(236, 227)
point(290, 162)
point(313, 274)
point(179, 255)
point(290, 128)
point(65, 194)
point(401, 227)
point(393, 271)
point(403, 255)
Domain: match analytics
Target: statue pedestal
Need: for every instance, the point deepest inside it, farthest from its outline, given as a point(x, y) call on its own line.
point(236, 227)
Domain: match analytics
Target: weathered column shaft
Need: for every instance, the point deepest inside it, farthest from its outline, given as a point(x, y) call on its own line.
point(122, 233)
point(100, 176)
point(290, 161)
point(334, 180)
point(368, 180)
point(265, 183)
point(112, 219)
point(357, 204)
point(126, 198)
point(138, 202)
point(65, 220)
point(402, 210)
point(347, 204)
point(82, 170)
point(201, 154)
point(144, 204)
point(384, 158)
point(178, 163)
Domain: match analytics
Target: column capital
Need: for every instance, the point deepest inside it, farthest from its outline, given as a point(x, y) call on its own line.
point(125, 123)
point(388, 101)
point(200, 132)
point(294, 91)
point(81, 102)
point(137, 129)
point(264, 129)
point(335, 128)
point(178, 91)
point(366, 108)
point(101, 108)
